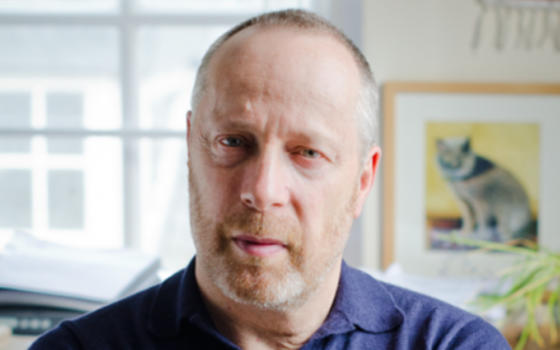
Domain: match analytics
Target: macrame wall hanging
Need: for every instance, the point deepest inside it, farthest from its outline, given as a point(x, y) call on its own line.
point(520, 24)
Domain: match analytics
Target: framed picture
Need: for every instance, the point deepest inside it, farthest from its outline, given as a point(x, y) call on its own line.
point(478, 160)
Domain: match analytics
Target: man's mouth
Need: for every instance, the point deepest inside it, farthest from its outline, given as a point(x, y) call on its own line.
point(261, 247)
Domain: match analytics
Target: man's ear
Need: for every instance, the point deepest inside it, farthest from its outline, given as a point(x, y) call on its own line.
point(367, 176)
point(189, 116)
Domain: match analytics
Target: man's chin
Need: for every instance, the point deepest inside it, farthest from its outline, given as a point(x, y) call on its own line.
point(257, 272)
point(261, 285)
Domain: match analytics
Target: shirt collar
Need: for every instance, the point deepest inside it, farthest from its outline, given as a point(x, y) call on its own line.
point(177, 302)
point(361, 302)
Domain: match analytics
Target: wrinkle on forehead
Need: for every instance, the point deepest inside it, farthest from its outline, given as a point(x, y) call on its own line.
point(287, 65)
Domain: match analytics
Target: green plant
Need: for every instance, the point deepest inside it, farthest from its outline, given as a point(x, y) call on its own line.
point(531, 282)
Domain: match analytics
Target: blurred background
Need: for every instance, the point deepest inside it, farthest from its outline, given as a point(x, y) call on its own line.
point(93, 96)
point(93, 99)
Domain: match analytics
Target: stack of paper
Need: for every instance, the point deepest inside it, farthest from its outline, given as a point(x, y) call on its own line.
point(35, 272)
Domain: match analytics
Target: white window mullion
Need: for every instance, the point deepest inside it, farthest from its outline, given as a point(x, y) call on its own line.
point(39, 189)
point(128, 74)
point(40, 200)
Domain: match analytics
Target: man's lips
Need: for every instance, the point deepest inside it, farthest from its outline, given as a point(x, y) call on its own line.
point(258, 246)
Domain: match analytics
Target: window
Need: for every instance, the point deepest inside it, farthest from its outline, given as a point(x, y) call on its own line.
point(93, 96)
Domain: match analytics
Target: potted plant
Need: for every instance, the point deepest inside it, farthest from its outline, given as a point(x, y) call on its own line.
point(530, 290)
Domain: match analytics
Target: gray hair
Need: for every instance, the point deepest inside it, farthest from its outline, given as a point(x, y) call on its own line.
point(368, 100)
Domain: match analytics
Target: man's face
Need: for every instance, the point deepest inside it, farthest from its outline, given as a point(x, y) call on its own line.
point(275, 170)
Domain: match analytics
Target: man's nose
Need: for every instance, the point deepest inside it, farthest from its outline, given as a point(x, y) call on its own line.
point(265, 184)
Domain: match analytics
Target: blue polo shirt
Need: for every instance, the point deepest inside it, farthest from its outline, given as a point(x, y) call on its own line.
point(366, 314)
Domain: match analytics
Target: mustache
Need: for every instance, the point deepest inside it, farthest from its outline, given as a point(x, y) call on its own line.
point(260, 225)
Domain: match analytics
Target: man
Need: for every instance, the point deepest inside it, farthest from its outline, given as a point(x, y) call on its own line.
point(281, 158)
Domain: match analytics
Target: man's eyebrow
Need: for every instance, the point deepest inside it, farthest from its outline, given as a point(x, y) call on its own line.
point(234, 123)
point(314, 134)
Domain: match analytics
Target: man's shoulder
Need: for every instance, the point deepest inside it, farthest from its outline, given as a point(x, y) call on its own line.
point(407, 301)
point(123, 320)
point(417, 305)
point(426, 321)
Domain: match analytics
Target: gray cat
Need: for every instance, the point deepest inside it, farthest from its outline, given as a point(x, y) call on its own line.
point(494, 205)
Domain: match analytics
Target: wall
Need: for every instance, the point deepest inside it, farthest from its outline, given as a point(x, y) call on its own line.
point(430, 40)
point(347, 15)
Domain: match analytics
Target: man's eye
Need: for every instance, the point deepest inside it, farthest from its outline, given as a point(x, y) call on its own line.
point(232, 141)
point(309, 153)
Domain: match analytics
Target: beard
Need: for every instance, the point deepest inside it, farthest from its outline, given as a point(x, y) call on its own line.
point(264, 282)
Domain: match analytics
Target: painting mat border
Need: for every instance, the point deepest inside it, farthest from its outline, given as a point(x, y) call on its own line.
point(391, 91)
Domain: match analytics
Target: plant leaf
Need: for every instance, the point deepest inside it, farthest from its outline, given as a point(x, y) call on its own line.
point(543, 281)
point(522, 339)
point(551, 306)
point(454, 238)
point(534, 299)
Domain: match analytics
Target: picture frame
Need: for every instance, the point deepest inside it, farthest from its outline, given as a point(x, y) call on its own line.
point(410, 111)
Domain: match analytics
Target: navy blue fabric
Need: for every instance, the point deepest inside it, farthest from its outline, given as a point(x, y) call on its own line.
point(366, 314)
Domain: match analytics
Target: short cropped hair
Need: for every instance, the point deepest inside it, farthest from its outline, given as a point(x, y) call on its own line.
point(366, 109)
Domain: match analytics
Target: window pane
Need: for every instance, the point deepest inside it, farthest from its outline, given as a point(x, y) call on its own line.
point(65, 145)
point(163, 198)
point(65, 70)
point(15, 198)
point(69, 198)
point(58, 50)
point(57, 6)
point(103, 184)
point(223, 6)
point(217, 6)
point(168, 59)
point(64, 110)
point(15, 112)
point(66, 199)
point(283, 4)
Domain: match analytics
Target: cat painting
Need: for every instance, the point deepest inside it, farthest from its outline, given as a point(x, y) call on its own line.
point(494, 206)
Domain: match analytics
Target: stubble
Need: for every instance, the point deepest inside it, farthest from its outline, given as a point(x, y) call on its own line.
point(255, 280)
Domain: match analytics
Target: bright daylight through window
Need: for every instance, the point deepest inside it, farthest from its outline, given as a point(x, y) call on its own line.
point(93, 96)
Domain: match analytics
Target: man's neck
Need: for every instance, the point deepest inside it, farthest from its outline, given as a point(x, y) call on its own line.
point(251, 327)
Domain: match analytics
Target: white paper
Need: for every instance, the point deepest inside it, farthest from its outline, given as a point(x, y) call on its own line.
point(32, 265)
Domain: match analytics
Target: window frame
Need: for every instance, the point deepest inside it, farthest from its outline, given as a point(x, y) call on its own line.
point(128, 21)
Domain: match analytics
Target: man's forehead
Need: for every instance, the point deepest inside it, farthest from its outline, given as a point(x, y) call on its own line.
point(306, 80)
point(277, 59)
point(287, 46)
